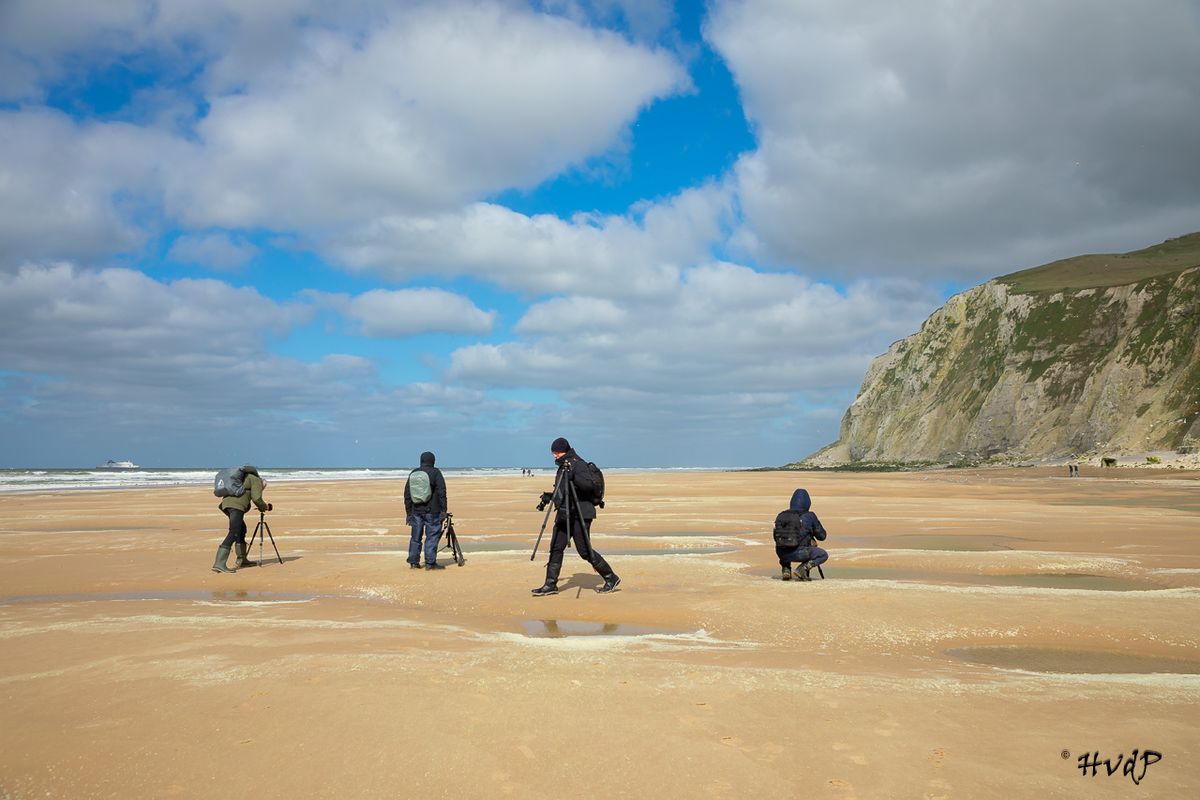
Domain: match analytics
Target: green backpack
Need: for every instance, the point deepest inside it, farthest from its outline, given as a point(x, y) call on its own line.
point(420, 490)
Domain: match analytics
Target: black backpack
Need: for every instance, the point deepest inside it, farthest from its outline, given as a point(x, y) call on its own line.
point(597, 478)
point(789, 529)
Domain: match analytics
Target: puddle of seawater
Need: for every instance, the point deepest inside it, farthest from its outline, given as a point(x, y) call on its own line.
point(560, 628)
point(227, 596)
point(1075, 662)
point(468, 547)
point(1066, 580)
point(963, 544)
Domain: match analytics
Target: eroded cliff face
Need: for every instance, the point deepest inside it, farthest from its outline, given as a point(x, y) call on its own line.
point(1003, 371)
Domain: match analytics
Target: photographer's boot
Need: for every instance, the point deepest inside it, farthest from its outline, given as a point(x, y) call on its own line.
point(787, 572)
point(610, 584)
point(802, 571)
point(220, 564)
point(241, 556)
point(547, 588)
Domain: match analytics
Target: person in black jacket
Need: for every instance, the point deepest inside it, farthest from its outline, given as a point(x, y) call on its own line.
point(425, 507)
point(573, 471)
point(795, 530)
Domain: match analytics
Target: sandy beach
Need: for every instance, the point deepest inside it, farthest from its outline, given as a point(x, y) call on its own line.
point(978, 632)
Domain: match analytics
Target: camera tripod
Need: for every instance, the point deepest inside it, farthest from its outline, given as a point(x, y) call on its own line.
point(569, 494)
point(452, 540)
point(259, 530)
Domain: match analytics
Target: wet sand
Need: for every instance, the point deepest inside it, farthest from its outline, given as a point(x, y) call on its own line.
point(977, 632)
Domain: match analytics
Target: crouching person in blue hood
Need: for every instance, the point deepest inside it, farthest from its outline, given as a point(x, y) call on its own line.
point(795, 530)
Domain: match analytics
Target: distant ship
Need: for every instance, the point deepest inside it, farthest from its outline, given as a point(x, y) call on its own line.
point(110, 464)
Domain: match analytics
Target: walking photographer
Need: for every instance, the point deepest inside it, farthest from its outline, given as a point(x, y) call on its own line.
point(578, 489)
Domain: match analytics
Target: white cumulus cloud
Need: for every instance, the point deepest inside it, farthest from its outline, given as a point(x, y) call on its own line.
point(925, 138)
point(386, 313)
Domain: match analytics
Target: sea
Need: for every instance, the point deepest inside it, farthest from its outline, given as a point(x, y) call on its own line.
point(43, 480)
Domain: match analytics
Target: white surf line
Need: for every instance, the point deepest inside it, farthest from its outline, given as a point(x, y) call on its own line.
point(1178, 592)
point(139, 621)
point(1064, 560)
point(697, 640)
point(236, 602)
point(1172, 681)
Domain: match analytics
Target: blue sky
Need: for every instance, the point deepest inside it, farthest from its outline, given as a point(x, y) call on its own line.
point(675, 233)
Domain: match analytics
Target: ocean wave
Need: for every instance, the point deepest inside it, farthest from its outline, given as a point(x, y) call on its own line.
point(53, 480)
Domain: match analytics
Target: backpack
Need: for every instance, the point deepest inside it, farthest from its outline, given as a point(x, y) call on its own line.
point(594, 474)
point(228, 482)
point(420, 490)
point(789, 528)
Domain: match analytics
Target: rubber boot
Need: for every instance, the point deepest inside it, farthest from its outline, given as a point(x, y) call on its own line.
point(802, 571)
point(241, 555)
point(220, 564)
point(547, 588)
point(787, 573)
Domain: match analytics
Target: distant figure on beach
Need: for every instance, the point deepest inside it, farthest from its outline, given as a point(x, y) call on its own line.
point(235, 507)
point(795, 529)
point(425, 507)
point(576, 489)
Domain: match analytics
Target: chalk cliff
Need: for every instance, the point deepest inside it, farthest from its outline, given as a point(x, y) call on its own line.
point(1099, 353)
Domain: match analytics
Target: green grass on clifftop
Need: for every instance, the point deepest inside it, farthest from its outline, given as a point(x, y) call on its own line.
point(1114, 269)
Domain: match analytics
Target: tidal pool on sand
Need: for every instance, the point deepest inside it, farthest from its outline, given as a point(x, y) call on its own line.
point(1075, 662)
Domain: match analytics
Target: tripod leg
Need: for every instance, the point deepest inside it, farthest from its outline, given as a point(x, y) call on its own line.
point(549, 508)
point(455, 548)
point(268, 528)
point(567, 498)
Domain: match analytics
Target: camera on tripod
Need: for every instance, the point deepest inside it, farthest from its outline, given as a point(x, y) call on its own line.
point(547, 497)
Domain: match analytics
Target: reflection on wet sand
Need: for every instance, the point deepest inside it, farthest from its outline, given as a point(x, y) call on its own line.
point(557, 629)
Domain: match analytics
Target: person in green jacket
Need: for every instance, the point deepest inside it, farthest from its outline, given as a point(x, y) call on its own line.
point(235, 508)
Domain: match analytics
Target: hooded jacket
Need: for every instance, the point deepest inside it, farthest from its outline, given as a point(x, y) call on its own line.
point(576, 471)
point(437, 502)
point(810, 526)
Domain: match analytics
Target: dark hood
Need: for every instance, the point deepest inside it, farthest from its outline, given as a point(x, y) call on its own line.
point(800, 500)
point(427, 459)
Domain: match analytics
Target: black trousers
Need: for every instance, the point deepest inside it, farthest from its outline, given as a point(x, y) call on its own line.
point(580, 534)
point(237, 526)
